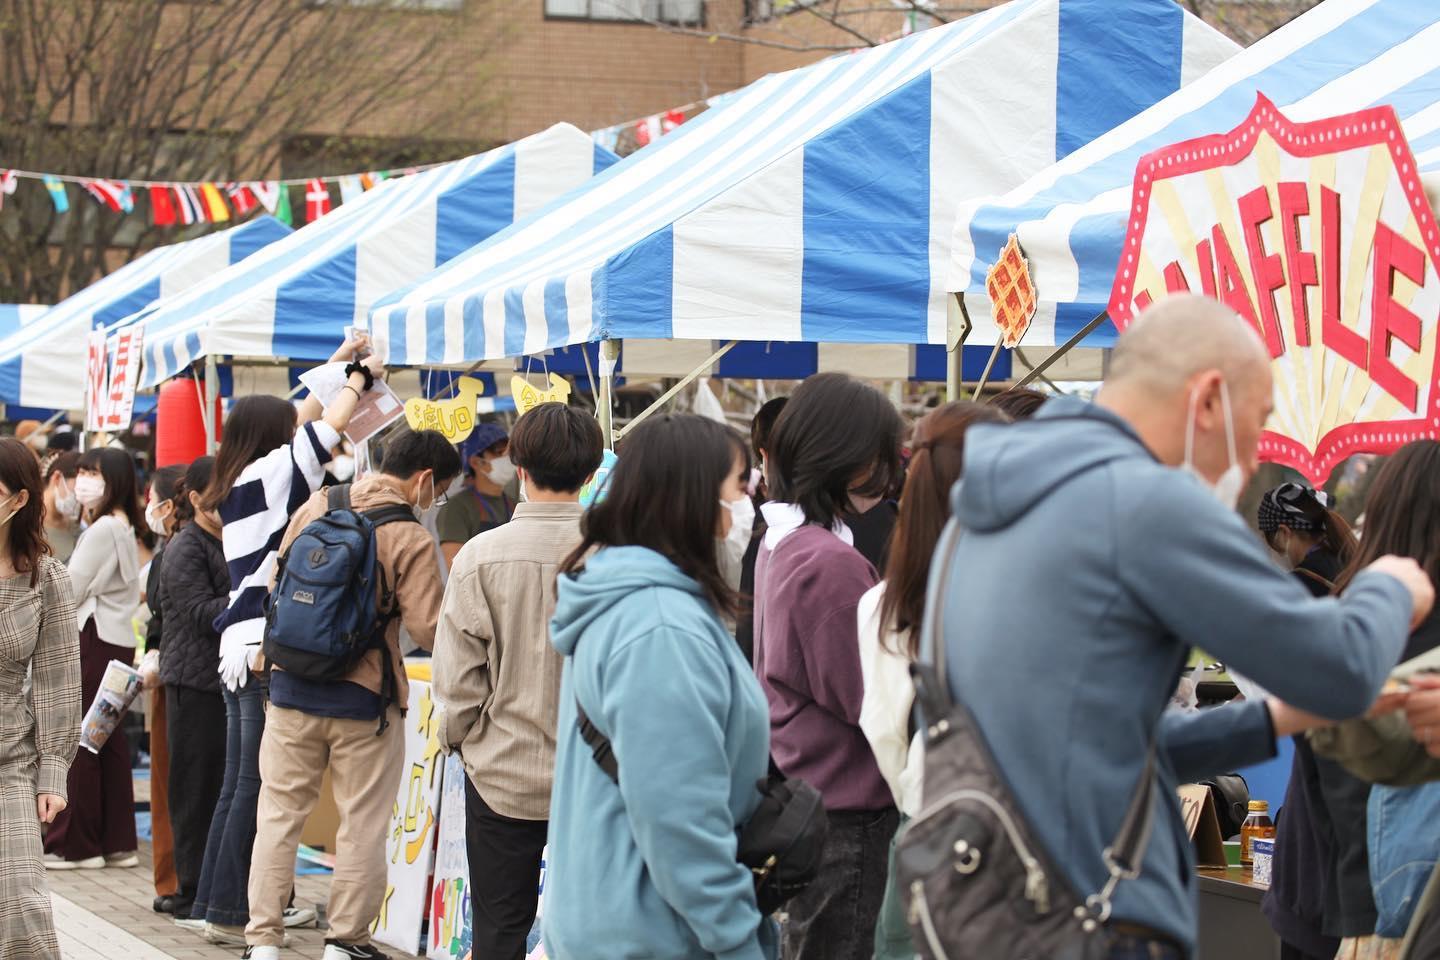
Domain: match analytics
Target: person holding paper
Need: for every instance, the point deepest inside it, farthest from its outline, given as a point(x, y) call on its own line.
point(97, 830)
point(38, 732)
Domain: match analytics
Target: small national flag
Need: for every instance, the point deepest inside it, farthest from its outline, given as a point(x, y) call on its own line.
point(58, 196)
point(671, 120)
point(215, 209)
point(267, 192)
point(317, 200)
point(282, 205)
point(162, 207)
point(114, 194)
point(647, 131)
point(8, 181)
point(242, 198)
point(187, 204)
point(350, 189)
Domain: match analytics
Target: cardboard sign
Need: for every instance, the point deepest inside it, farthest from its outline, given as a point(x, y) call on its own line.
point(528, 397)
point(1012, 293)
point(1202, 823)
point(410, 840)
point(124, 353)
point(95, 394)
point(1319, 235)
point(454, 417)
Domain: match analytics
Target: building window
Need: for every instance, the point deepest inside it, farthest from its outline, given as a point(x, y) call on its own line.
point(683, 12)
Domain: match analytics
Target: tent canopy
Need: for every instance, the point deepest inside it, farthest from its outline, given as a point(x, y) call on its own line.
point(43, 363)
point(814, 205)
point(14, 316)
point(296, 299)
point(1342, 56)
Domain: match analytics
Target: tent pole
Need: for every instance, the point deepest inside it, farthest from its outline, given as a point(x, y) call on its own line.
point(985, 376)
point(212, 393)
point(664, 398)
point(1063, 349)
point(957, 330)
point(605, 402)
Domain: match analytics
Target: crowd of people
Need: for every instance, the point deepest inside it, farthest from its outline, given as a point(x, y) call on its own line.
point(653, 685)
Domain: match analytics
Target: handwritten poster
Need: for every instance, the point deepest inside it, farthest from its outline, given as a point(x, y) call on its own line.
point(449, 937)
point(414, 820)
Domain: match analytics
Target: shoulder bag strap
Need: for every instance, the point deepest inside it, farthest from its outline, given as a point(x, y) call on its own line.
point(1124, 855)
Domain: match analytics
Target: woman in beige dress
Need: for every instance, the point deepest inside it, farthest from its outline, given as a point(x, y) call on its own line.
point(38, 731)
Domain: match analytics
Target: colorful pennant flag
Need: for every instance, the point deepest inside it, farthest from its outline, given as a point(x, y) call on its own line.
point(162, 207)
point(58, 196)
point(112, 194)
point(317, 200)
point(267, 192)
point(282, 205)
point(188, 206)
point(350, 189)
point(215, 209)
point(242, 198)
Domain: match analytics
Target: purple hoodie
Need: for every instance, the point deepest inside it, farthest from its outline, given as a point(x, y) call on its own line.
point(807, 657)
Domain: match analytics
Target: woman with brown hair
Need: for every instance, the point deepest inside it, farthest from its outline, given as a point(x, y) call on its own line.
point(98, 829)
point(889, 629)
point(38, 732)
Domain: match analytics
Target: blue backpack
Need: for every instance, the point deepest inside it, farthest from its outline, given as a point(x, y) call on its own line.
point(322, 617)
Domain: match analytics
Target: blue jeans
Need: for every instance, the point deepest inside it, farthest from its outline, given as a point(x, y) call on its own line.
point(225, 874)
point(835, 917)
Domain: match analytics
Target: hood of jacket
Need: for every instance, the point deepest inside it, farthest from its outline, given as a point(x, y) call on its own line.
point(1009, 468)
point(610, 575)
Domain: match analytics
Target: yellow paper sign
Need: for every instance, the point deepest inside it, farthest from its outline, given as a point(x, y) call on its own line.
point(528, 397)
point(455, 418)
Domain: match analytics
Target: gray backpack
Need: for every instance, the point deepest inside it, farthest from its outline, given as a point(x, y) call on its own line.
point(977, 880)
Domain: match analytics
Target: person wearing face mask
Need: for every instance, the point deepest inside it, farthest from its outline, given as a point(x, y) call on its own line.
point(97, 830)
point(1098, 543)
point(62, 510)
point(1315, 541)
point(498, 677)
point(313, 726)
point(836, 444)
point(487, 499)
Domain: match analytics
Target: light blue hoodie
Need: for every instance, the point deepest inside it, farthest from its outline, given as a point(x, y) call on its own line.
point(1086, 573)
point(647, 870)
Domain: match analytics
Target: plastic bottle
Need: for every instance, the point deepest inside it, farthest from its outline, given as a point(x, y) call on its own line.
point(1257, 824)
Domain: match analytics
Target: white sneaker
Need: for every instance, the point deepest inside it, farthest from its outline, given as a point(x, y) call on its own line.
point(299, 916)
point(261, 953)
point(196, 924)
point(54, 862)
point(225, 936)
point(122, 860)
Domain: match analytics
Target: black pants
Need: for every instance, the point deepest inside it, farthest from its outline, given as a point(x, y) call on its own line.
point(834, 919)
point(195, 725)
point(504, 857)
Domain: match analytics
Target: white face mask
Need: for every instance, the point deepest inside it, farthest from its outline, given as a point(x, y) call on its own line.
point(65, 503)
point(8, 511)
point(154, 520)
point(342, 467)
point(1232, 482)
point(502, 471)
point(422, 512)
point(89, 490)
point(742, 526)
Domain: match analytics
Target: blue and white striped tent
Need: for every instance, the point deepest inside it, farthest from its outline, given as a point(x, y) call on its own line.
point(14, 316)
point(1341, 56)
point(43, 363)
point(817, 204)
point(295, 299)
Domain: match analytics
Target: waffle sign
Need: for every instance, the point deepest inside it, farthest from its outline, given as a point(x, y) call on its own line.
point(1320, 236)
point(1012, 293)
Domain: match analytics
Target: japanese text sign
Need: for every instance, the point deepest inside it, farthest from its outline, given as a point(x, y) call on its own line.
point(1319, 235)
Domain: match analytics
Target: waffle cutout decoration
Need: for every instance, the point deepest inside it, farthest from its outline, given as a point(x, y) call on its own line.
point(1012, 293)
point(528, 396)
point(1320, 236)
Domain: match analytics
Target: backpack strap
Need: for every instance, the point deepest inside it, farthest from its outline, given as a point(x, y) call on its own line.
point(337, 497)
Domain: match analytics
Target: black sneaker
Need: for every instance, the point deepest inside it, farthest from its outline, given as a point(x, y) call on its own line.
point(335, 950)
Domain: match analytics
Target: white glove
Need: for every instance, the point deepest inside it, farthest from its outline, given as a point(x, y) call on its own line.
point(235, 660)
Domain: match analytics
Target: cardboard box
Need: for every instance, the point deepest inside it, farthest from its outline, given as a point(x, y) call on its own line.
point(1197, 807)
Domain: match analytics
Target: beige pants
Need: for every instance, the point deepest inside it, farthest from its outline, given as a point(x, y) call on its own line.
point(365, 774)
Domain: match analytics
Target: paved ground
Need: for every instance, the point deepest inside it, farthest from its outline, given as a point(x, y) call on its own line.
point(107, 915)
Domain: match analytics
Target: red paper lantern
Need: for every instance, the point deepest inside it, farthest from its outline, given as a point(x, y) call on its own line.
point(179, 427)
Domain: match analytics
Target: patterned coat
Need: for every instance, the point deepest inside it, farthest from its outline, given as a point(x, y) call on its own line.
point(39, 731)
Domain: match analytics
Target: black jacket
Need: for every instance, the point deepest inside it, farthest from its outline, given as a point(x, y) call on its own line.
point(194, 590)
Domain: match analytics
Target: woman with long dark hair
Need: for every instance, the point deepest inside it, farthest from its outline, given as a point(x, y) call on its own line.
point(38, 732)
point(647, 867)
point(834, 452)
point(272, 460)
point(889, 618)
point(98, 828)
point(1321, 901)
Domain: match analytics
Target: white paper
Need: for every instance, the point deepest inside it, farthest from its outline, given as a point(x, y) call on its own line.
point(377, 409)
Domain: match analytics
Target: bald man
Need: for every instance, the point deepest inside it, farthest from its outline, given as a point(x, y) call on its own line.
point(1101, 544)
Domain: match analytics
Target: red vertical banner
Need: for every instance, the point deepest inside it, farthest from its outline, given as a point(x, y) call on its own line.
point(95, 393)
point(124, 376)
